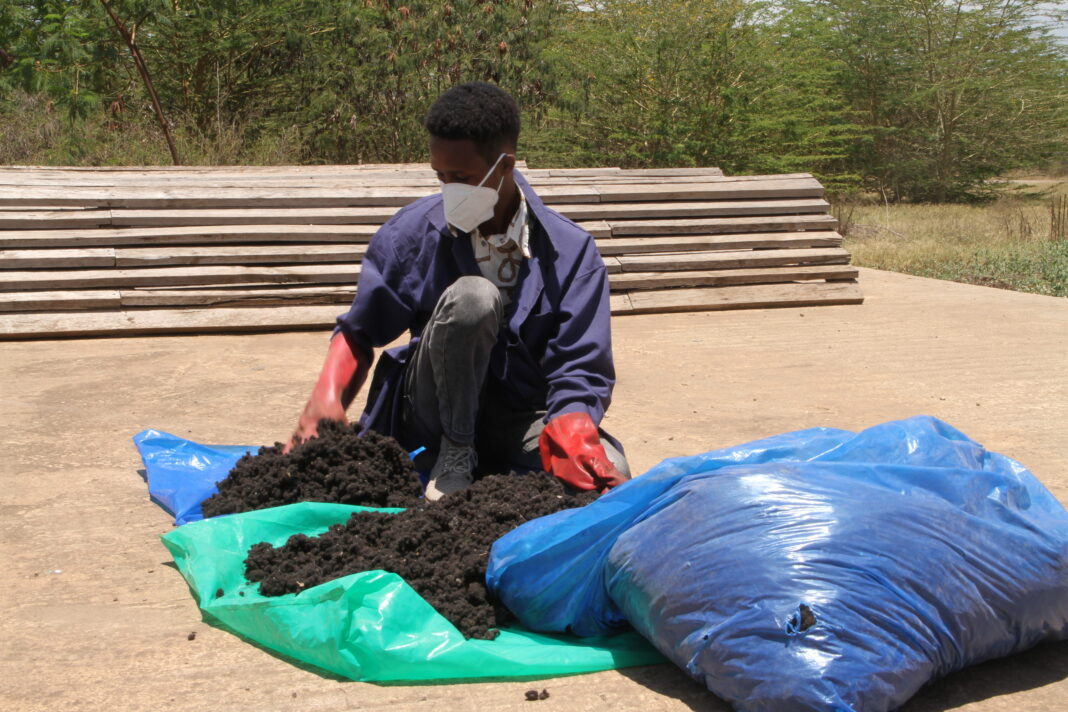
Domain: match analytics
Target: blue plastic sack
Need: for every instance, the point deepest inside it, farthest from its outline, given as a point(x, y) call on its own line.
point(181, 474)
point(818, 570)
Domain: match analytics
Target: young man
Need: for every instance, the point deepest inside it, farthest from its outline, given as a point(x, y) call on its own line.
point(510, 359)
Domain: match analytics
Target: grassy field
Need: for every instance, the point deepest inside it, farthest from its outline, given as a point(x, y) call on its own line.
point(1016, 242)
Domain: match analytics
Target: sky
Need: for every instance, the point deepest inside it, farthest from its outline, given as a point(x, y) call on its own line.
point(1062, 28)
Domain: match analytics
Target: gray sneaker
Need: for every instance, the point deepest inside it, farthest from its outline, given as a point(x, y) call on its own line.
point(452, 471)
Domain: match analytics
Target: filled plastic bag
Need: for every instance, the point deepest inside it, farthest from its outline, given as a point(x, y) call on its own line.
point(181, 474)
point(550, 572)
point(818, 570)
point(368, 626)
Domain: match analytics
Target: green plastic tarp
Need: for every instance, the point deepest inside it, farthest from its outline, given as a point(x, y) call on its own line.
point(369, 626)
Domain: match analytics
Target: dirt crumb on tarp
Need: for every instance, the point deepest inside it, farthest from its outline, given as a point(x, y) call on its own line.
point(341, 465)
point(440, 548)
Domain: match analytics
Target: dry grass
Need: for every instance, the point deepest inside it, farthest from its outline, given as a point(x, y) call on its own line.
point(1017, 242)
point(33, 131)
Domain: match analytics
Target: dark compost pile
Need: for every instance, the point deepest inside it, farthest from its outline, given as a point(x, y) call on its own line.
point(341, 466)
point(440, 548)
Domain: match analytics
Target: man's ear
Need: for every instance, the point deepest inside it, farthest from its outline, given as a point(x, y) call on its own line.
point(508, 164)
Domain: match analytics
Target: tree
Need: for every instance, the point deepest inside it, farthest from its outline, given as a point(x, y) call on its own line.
point(54, 47)
point(953, 93)
point(349, 80)
point(360, 92)
point(691, 82)
point(129, 36)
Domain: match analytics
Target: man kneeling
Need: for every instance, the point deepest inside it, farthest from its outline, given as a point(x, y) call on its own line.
point(509, 364)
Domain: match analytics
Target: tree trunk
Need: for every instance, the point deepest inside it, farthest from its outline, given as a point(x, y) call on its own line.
point(142, 68)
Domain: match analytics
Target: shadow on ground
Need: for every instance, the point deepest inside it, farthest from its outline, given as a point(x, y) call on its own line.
point(1035, 668)
point(670, 681)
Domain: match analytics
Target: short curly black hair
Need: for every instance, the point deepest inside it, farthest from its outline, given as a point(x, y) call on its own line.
point(481, 112)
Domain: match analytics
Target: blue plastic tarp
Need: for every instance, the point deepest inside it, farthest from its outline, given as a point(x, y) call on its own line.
point(181, 474)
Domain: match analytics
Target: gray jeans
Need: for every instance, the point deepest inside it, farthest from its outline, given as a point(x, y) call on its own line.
point(443, 393)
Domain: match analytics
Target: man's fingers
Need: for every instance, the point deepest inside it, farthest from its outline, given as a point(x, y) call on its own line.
point(605, 473)
point(294, 440)
point(303, 432)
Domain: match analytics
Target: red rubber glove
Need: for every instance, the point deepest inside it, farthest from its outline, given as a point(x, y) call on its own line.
point(343, 373)
point(571, 450)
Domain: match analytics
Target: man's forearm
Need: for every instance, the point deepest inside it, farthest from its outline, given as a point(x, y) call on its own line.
point(343, 374)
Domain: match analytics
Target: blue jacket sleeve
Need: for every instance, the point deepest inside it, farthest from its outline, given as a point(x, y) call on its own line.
point(578, 361)
point(382, 309)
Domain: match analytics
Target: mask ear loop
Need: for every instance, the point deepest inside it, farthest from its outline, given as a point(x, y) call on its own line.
point(493, 168)
point(502, 177)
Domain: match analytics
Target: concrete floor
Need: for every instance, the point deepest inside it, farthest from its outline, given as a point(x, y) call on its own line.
point(94, 617)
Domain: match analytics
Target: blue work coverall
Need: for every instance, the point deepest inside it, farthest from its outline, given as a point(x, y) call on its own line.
point(554, 350)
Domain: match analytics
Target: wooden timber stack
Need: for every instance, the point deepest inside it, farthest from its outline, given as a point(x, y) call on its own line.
point(117, 251)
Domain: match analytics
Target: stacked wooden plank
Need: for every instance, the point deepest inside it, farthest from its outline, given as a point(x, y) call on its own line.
point(186, 250)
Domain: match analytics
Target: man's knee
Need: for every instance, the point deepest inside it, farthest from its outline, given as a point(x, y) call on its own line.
point(472, 301)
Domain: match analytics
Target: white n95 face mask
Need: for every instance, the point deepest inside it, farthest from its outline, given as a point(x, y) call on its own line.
point(468, 206)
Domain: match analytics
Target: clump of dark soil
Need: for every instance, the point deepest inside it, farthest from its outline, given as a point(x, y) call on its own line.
point(341, 465)
point(440, 548)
